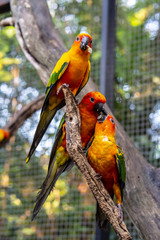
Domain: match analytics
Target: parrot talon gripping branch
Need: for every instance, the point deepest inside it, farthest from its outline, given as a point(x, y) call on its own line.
point(60, 88)
point(98, 176)
point(120, 211)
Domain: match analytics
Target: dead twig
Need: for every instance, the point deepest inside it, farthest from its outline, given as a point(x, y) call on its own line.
point(7, 22)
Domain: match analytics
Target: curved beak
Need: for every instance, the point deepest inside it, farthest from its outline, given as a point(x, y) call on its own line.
point(99, 107)
point(84, 43)
point(102, 114)
point(101, 118)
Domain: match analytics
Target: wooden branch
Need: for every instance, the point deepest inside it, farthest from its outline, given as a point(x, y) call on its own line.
point(75, 150)
point(7, 22)
point(42, 44)
point(19, 117)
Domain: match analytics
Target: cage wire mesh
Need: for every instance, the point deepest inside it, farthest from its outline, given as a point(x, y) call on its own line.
point(138, 79)
point(137, 85)
point(69, 212)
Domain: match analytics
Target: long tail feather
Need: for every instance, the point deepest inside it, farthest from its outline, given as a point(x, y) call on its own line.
point(46, 188)
point(48, 185)
point(45, 119)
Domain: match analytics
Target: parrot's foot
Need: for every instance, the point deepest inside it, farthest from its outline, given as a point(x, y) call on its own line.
point(98, 176)
point(60, 88)
point(101, 118)
point(120, 211)
point(85, 149)
point(77, 101)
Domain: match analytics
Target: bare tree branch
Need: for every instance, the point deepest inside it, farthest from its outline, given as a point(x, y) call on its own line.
point(75, 150)
point(7, 22)
point(43, 46)
point(19, 117)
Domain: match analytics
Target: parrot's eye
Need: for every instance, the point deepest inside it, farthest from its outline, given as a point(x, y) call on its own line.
point(91, 41)
point(92, 99)
point(112, 121)
point(77, 38)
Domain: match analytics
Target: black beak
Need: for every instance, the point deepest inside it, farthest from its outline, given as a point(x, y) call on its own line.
point(102, 114)
point(101, 118)
point(84, 43)
point(99, 107)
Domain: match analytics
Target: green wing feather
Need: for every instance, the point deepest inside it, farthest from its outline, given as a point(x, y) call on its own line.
point(54, 171)
point(58, 71)
point(120, 160)
point(60, 125)
point(56, 141)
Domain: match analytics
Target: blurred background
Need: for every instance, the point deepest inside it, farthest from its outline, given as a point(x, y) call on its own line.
point(69, 212)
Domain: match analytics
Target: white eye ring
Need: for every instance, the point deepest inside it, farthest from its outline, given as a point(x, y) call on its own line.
point(77, 38)
point(92, 99)
point(112, 121)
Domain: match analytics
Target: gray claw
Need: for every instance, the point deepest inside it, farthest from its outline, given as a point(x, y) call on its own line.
point(120, 211)
point(77, 101)
point(98, 176)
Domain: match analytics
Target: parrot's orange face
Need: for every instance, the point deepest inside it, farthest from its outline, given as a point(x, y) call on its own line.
point(105, 125)
point(3, 134)
point(6, 134)
point(83, 42)
point(94, 102)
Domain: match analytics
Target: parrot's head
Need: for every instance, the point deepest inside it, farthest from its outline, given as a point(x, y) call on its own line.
point(83, 43)
point(6, 134)
point(3, 135)
point(105, 125)
point(93, 102)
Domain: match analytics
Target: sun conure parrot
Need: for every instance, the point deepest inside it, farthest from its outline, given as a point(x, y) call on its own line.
point(72, 69)
point(107, 159)
point(90, 107)
point(3, 135)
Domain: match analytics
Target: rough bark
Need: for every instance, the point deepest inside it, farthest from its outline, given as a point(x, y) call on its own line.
point(7, 22)
point(43, 46)
point(75, 150)
point(19, 117)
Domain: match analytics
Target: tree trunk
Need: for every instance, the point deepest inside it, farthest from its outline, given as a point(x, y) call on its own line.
point(43, 46)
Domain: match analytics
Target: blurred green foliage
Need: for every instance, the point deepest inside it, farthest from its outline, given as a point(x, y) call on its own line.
point(6, 36)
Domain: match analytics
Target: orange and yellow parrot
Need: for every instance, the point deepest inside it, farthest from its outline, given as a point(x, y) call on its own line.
point(72, 69)
point(108, 161)
point(90, 107)
point(3, 135)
